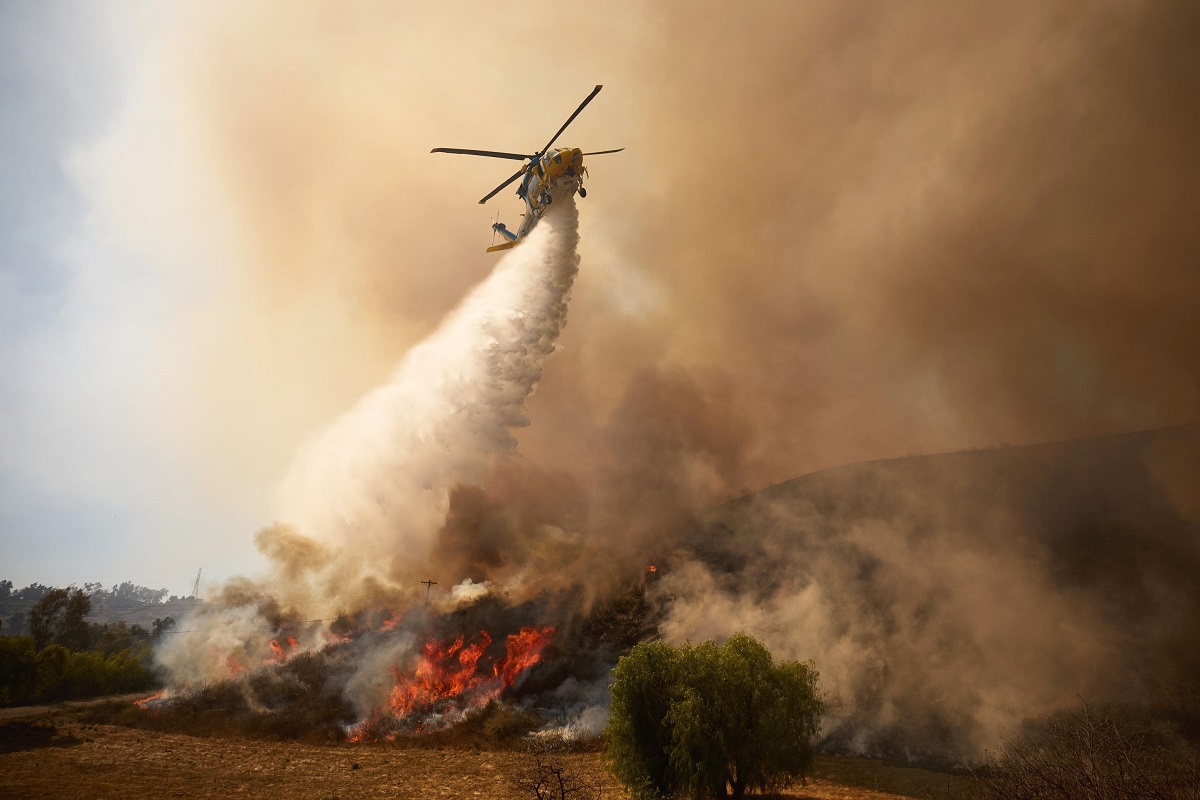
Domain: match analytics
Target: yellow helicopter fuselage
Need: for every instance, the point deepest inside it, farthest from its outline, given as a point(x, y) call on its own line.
point(543, 176)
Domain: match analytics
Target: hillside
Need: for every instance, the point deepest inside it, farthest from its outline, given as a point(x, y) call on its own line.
point(949, 598)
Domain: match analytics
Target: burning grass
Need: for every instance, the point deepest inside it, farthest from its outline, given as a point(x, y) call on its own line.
point(429, 677)
point(446, 684)
point(292, 701)
point(447, 698)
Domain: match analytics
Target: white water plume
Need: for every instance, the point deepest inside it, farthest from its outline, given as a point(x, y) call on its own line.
point(373, 488)
point(375, 483)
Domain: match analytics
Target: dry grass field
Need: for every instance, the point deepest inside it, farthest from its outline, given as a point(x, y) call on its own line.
point(63, 755)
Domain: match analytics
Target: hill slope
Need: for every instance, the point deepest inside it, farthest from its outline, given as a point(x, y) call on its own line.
point(948, 598)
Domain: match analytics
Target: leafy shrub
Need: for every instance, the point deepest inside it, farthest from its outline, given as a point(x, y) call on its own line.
point(51, 669)
point(56, 673)
point(710, 721)
point(18, 670)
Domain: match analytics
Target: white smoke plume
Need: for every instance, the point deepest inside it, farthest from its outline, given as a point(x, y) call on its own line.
point(378, 478)
point(364, 498)
point(469, 590)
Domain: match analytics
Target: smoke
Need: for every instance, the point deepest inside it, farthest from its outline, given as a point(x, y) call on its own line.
point(948, 599)
point(907, 230)
point(671, 449)
point(839, 233)
point(366, 496)
point(378, 479)
point(886, 231)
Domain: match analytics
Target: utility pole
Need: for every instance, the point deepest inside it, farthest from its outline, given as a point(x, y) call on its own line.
point(428, 585)
point(196, 585)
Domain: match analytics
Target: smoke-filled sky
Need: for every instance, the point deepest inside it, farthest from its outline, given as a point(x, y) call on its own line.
point(839, 231)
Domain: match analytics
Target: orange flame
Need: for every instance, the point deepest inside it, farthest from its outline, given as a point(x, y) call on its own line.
point(145, 702)
point(523, 650)
point(651, 569)
point(446, 679)
point(235, 666)
point(365, 731)
point(279, 654)
point(437, 676)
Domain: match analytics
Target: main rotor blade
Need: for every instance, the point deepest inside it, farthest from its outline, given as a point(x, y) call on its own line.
point(493, 192)
point(602, 152)
point(488, 153)
point(571, 118)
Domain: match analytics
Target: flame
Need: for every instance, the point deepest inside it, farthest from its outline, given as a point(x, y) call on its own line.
point(235, 667)
point(279, 654)
point(446, 682)
point(651, 569)
point(437, 676)
point(365, 731)
point(523, 650)
point(146, 702)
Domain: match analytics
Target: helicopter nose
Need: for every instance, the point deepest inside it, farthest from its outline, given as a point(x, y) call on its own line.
point(574, 161)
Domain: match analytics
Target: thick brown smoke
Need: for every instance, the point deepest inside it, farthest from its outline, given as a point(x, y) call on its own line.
point(888, 229)
point(839, 232)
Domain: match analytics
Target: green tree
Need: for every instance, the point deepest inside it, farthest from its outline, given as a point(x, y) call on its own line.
point(18, 670)
point(55, 673)
point(51, 667)
point(58, 618)
point(112, 639)
point(711, 720)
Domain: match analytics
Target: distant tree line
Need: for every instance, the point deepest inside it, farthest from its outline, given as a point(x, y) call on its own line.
point(62, 656)
point(108, 604)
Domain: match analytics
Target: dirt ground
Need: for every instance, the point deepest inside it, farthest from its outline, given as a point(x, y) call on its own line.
point(69, 705)
point(59, 756)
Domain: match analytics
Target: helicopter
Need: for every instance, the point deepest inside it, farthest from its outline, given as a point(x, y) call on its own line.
point(546, 173)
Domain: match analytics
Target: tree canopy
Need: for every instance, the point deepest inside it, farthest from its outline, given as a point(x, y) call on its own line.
point(58, 618)
point(711, 720)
